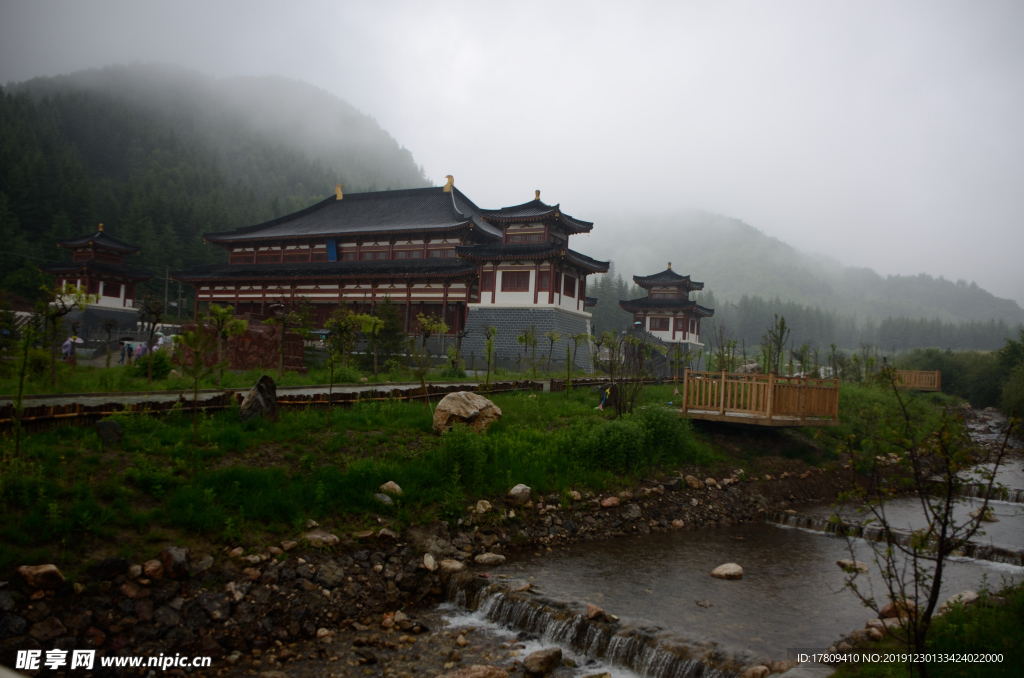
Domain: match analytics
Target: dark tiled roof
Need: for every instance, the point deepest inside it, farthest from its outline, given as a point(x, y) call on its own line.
point(100, 240)
point(535, 210)
point(540, 250)
point(667, 277)
point(378, 212)
point(93, 266)
point(589, 301)
point(665, 305)
point(404, 268)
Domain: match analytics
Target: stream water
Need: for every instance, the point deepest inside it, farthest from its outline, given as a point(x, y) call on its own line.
point(679, 621)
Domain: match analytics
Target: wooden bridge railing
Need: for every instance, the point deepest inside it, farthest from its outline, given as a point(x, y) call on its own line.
point(919, 380)
point(760, 396)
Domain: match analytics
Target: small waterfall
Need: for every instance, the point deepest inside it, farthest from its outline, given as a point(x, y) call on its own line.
point(647, 651)
point(842, 528)
point(977, 490)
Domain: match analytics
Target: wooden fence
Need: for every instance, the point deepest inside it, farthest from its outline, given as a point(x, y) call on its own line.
point(762, 399)
point(919, 380)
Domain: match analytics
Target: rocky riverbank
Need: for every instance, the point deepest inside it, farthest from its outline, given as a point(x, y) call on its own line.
point(334, 598)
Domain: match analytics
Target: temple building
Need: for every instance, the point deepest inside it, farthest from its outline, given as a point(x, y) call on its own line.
point(97, 267)
point(667, 312)
point(428, 250)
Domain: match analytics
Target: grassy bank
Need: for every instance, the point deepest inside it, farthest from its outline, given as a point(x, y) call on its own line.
point(68, 492)
point(980, 629)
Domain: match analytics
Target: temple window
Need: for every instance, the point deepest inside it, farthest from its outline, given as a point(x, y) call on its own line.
point(515, 281)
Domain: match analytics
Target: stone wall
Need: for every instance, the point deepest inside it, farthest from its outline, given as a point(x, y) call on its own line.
point(512, 322)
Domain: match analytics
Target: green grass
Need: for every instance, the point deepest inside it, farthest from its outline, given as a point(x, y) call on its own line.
point(975, 629)
point(66, 493)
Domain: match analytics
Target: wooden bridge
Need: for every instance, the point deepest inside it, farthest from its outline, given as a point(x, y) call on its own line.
point(919, 380)
point(760, 399)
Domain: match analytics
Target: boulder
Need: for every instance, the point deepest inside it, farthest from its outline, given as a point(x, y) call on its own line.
point(260, 402)
point(391, 487)
point(988, 517)
point(673, 484)
point(477, 671)
point(483, 506)
point(852, 566)
point(594, 612)
point(153, 569)
point(109, 431)
point(489, 559)
point(693, 483)
point(465, 407)
point(47, 630)
point(631, 512)
point(41, 576)
point(451, 566)
point(610, 502)
point(728, 571)
point(175, 562)
point(429, 563)
point(964, 598)
point(710, 482)
point(904, 608)
point(520, 493)
point(384, 499)
point(543, 661)
point(319, 538)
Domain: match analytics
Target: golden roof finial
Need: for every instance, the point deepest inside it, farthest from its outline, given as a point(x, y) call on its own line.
point(536, 195)
point(670, 265)
point(101, 228)
point(451, 182)
point(337, 192)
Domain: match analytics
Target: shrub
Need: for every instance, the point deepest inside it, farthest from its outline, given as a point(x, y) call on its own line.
point(616, 446)
point(161, 365)
point(38, 362)
point(466, 448)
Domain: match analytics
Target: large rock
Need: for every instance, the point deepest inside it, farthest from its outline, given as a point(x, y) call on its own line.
point(175, 562)
point(41, 576)
point(693, 483)
point(853, 566)
point(321, 538)
point(489, 559)
point(964, 598)
point(449, 566)
point(477, 671)
point(895, 610)
point(543, 661)
point(465, 407)
point(728, 571)
point(520, 493)
point(391, 487)
point(261, 401)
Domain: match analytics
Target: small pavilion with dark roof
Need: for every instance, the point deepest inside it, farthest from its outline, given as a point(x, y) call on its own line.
point(667, 312)
point(97, 267)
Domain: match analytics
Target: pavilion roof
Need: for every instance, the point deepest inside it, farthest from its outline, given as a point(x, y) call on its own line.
point(645, 304)
point(99, 240)
point(668, 278)
point(535, 210)
point(321, 270)
point(374, 213)
point(94, 266)
point(531, 251)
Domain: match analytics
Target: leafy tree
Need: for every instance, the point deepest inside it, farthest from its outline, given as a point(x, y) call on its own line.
point(489, 334)
point(934, 462)
point(110, 325)
point(222, 320)
point(773, 342)
point(553, 338)
point(64, 300)
point(150, 313)
point(193, 346)
point(371, 327)
point(288, 316)
point(28, 338)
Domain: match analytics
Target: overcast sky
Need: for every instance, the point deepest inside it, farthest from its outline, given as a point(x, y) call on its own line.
point(885, 134)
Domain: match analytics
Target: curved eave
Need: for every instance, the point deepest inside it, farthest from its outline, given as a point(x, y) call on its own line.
point(665, 306)
point(509, 253)
point(99, 240)
point(234, 275)
point(98, 268)
point(209, 237)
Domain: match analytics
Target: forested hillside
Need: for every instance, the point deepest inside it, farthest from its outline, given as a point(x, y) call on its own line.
point(735, 260)
point(161, 154)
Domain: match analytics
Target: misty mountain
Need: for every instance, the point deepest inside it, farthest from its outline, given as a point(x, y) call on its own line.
point(734, 260)
point(161, 154)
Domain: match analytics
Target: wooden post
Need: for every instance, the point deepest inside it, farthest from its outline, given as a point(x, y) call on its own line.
point(686, 386)
point(721, 396)
point(771, 394)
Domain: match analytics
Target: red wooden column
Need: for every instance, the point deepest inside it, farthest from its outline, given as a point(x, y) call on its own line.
point(551, 283)
point(536, 281)
point(444, 302)
point(494, 281)
point(408, 304)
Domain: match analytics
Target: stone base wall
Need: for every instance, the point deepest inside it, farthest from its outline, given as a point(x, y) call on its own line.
point(512, 322)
